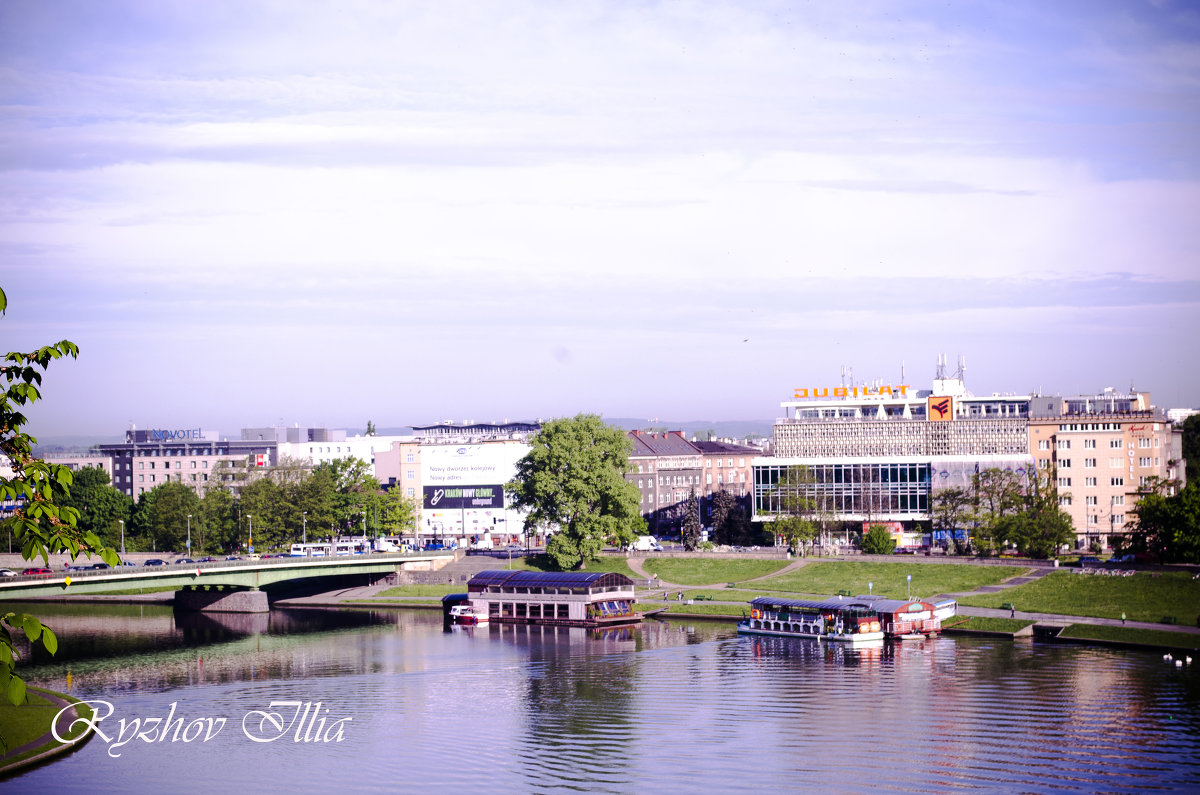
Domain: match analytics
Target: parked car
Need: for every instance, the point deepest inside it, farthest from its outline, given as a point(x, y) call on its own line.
point(155, 562)
point(1122, 560)
point(7, 573)
point(36, 570)
point(99, 566)
point(1088, 560)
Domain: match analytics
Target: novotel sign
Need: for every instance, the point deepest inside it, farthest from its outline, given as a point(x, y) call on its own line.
point(852, 391)
point(164, 434)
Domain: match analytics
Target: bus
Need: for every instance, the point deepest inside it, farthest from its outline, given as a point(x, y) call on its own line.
point(310, 550)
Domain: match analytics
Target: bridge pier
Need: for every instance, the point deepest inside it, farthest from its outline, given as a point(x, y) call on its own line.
point(221, 601)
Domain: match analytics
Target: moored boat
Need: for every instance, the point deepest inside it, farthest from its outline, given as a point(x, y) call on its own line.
point(466, 615)
point(837, 620)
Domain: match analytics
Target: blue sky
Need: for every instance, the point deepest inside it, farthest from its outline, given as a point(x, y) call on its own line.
point(328, 213)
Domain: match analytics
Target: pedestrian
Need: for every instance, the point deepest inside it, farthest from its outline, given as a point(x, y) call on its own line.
point(1122, 618)
point(1012, 611)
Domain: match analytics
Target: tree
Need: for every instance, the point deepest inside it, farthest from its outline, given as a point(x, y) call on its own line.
point(40, 523)
point(101, 507)
point(573, 478)
point(723, 505)
point(793, 499)
point(878, 541)
point(165, 516)
point(1167, 522)
point(1191, 447)
point(691, 523)
point(951, 507)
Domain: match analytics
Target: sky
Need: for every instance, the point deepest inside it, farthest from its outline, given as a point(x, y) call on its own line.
point(251, 213)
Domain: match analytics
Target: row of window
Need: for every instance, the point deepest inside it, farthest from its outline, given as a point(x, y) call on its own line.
point(167, 465)
point(1113, 463)
point(1065, 483)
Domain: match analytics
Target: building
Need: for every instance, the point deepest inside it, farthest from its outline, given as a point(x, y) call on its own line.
point(880, 453)
point(667, 468)
point(727, 467)
point(149, 458)
point(1101, 450)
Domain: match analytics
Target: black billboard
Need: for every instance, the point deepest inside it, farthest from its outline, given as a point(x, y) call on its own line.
point(459, 497)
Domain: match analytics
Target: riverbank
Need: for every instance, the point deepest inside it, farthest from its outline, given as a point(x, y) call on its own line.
point(25, 729)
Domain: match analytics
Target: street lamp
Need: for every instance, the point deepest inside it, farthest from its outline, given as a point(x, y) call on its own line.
point(122, 521)
point(909, 578)
point(189, 540)
point(250, 516)
point(304, 521)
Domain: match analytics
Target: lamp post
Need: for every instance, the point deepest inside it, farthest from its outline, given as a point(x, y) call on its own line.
point(122, 521)
point(304, 530)
point(250, 546)
point(189, 539)
point(909, 578)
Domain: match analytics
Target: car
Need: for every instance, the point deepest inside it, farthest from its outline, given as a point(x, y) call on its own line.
point(7, 573)
point(99, 566)
point(36, 570)
point(155, 562)
point(1122, 560)
point(185, 560)
point(206, 560)
point(1088, 560)
point(233, 557)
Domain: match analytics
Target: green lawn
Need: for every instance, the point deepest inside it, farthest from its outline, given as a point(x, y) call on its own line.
point(134, 591)
point(1144, 637)
point(705, 609)
point(423, 590)
point(543, 563)
point(928, 579)
point(985, 624)
point(23, 724)
point(1145, 596)
point(708, 571)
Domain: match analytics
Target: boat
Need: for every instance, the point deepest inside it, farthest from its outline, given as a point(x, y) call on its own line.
point(838, 620)
point(466, 615)
point(569, 598)
point(905, 619)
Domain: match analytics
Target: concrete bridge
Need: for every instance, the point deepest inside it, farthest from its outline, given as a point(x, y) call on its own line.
point(224, 586)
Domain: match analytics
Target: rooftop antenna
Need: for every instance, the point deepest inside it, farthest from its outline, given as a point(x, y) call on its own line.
point(902, 371)
point(961, 375)
point(941, 366)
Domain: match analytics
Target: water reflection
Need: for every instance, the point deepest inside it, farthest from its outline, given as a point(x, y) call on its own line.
point(680, 706)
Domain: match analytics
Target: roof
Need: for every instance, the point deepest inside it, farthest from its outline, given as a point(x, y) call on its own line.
point(726, 447)
point(842, 603)
point(670, 443)
point(895, 605)
point(546, 579)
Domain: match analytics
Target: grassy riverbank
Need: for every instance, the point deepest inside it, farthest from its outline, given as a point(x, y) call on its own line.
point(710, 571)
point(830, 577)
point(29, 722)
point(986, 624)
point(1142, 637)
point(1146, 596)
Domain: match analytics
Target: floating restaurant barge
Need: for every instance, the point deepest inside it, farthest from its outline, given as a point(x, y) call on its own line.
point(840, 620)
point(569, 599)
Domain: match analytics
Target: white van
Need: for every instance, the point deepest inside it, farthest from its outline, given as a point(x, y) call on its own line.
point(645, 544)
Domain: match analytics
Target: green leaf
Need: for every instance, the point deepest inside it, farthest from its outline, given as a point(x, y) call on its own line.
point(49, 640)
point(31, 625)
point(16, 690)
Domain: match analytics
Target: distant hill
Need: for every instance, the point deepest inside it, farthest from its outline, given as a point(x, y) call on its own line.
point(71, 445)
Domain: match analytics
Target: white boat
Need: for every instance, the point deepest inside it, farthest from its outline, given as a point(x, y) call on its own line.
point(467, 616)
point(836, 620)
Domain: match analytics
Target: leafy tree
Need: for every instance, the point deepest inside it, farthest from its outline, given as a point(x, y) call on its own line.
point(795, 506)
point(101, 507)
point(218, 524)
point(997, 493)
point(723, 505)
point(1167, 524)
point(1191, 447)
point(796, 531)
point(263, 503)
point(951, 507)
point(165, 516)
point(878, 541)
point(40, 523)
point(573, 479)
point(691, 523)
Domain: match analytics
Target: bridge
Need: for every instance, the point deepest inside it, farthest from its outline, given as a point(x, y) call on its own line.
point(224, 586)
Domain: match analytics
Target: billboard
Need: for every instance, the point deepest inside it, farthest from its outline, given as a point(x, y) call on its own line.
point(459, 497)
point(940, 409)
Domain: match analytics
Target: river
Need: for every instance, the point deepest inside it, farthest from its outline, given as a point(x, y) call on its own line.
point(387, 701)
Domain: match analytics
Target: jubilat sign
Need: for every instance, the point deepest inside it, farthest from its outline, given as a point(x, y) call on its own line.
point(852, 391)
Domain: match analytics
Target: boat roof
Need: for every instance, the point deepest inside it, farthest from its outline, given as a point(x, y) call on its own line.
point(835, 603)
point(895, 605)
point(547, 579)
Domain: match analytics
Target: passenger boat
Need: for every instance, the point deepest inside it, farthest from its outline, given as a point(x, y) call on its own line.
point(839, 620)
point(570, 598)
point(904, 618)
point(466, 615)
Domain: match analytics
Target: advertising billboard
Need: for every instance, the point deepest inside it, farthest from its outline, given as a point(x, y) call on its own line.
point(459, 497)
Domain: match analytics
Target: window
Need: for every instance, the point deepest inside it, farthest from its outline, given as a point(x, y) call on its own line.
point(141, 464)
point(1156, 440)
point(1064, 500)
point(1091, 499)
point(741, 462)
point(1093, 519)
point(141, 478)
point(1064, 444)
point(1118, 482)
point(151, 478)
point(411, 493)
point(1114, 463)
point(1064, 463)
point(1064, 483)
point(1115, 444)
point(204, 465)
point(708, 479)
point(1143, 444)
point(1043, 444)
point(193, 463)
point(1043, 463)
point(1089, 444)
point(1090, 482)
point(1118, 499)
point(1118, 518)
point(1144, 461)
point(1089, 463)
point(412, 474)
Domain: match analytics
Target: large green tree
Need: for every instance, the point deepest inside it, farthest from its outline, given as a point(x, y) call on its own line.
point(795, 507)
point(101, 507)
point(1166, 522)
point(691, 523)
point(1191, 447)
point(39, 522)
point(878, 541)
point(573, 480)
